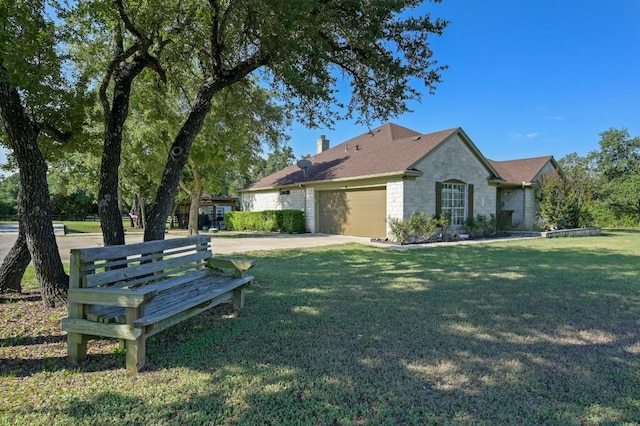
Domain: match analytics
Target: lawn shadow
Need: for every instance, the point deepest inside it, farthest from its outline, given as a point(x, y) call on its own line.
point(471, 333)
point(535, 333)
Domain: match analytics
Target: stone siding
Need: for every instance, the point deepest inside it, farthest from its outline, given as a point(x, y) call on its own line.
point(452, 160)
point(395, 201)
point(261, 201)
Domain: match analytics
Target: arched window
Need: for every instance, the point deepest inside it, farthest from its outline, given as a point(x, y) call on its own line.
point(454, 199)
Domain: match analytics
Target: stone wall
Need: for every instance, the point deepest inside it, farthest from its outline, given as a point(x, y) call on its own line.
point(574, 232)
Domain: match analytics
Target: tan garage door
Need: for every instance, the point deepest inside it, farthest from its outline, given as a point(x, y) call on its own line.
point(360, 212)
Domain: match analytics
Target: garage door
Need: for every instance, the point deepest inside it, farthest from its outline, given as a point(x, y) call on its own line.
point(360, 212)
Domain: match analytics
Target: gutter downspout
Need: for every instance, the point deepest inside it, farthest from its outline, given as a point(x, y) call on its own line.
point(524, 205)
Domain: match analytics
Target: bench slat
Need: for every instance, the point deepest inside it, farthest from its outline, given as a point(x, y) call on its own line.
point(106, 264)
point(180, 264)
point(91, 328)
point(93, 254)
point(177, 301)
point(174, 290)
point(186, 314)
point(111, 296)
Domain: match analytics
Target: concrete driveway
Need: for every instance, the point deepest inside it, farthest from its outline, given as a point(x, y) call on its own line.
point(223, 243)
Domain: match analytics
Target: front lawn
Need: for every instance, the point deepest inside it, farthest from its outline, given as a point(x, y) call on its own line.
point(536, 331)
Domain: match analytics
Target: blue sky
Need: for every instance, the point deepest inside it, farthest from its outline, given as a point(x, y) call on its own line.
point(526, 78)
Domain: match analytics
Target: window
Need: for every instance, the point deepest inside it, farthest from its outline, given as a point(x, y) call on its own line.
point(453, 202)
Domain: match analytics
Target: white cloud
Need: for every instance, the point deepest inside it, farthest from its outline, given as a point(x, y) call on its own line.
point(518, 137)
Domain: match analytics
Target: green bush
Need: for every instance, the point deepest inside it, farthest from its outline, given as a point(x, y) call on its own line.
point(604, 216)
point(399, 230)
point(421, 225)
point(291, 221)
point(486, 226)
point(418, 227)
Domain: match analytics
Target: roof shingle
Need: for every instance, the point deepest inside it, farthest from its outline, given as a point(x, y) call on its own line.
point(523, 170)
point(387, 149)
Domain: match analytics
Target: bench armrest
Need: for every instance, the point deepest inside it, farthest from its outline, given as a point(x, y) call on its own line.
point(111, 296)
point(239, 265)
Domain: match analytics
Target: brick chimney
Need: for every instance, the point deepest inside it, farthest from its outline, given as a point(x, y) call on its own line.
point(322, 144)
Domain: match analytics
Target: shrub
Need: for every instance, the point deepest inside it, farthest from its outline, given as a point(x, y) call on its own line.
point(421, 226)
point(418, 227)
point(486, 226)
point(266, 221)
point(399, 230)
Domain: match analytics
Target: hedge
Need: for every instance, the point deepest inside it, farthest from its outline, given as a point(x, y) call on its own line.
point(291, 221)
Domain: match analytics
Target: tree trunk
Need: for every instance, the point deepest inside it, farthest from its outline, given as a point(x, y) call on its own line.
point(108, 205)
point(18, 258)
point(36, 207)
point(142, 214)
point(115, 115)
point(194, 209)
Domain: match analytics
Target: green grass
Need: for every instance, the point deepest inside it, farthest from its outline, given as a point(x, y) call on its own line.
point(538, 331)
point(82, 227)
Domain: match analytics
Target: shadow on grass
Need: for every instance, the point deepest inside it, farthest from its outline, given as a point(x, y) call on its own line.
point(526, 333)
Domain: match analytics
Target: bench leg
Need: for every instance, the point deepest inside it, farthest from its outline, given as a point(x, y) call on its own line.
point(76, 348)
point(135, 354)
point(238, 298)
point(135, 348)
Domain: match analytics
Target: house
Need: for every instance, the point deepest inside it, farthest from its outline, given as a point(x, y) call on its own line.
point(391, 172)
point(213, 207)
point(517, 203)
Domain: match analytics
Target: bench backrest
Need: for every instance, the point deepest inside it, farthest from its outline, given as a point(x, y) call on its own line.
point(135, 265)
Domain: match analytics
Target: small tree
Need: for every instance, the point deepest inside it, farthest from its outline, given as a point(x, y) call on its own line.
point(558, 201)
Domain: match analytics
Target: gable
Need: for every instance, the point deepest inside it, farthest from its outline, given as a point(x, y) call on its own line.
point(526, 170)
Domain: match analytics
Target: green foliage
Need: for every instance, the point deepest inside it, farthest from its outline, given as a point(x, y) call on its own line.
point(74, 206)
point(32, 60)
point(422, 225)
point(601, 214)
point(485, 226)
point(559, 203)
point(618, 164)
point(418, 227)
point(9, 194)
point(399, 230)
point(290, 221)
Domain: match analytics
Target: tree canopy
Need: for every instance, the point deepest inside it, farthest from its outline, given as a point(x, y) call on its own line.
point(298, 49)
point(618, 162)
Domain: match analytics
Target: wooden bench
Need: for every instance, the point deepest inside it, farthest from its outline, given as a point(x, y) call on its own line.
point(134, 291)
